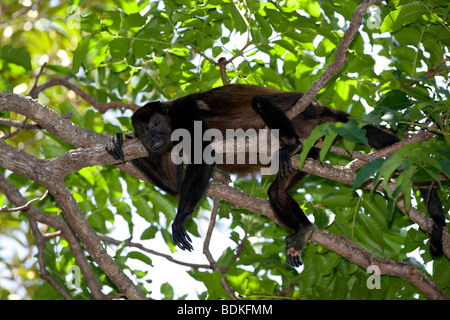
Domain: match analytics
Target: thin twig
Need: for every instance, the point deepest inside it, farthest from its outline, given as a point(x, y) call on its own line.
point(128, 243)
point(15, 132)
point(222, 62)
point(36, 80)
point(25, 206)
point(64, 81)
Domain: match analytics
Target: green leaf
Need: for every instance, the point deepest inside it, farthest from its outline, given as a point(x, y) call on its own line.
point(59, 69)
point(124, 210)
point(149, 233)
point(441, 273)
point(404, 181)
point(119, 48)
point(367, 171)
point(372, 228)
point(140, 256)
point(100, 197)
point(266, 29)
point(127, 6)
point(315, 135)
point(18, 56)
point(311, 7)
point(134, 20)
point(141, 48)
point(88, 174)
point(52, 148)
point(238, 279)
point(76, 117)
point(167, 291)
point(79, 54)
point(46, 292)
point(143, 209)
point(90, 53)
point(97, 222)
point(162, 203)
point(326, 144)
point(410, 13)
point(324, 218)
point(215, 289)
point(5, 84)
point(90, 23)
point(239, 22)
point(113, 21)
point(351, 131)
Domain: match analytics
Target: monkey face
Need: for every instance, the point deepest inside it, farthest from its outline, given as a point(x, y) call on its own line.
point(153, 129)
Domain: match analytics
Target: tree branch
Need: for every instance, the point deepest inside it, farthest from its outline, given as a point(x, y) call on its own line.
point(339, 60)
point(222, 62)
point(64, 81)
point(357, 255)
point(128, 243)
point(36, 170)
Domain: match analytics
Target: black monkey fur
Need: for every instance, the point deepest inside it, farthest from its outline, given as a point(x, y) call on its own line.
point(240, 106)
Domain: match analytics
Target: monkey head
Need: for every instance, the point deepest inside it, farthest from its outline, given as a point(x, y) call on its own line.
point(152, 127)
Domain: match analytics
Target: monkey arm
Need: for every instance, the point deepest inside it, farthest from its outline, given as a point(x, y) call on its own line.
point(193, 187)
point(161, 171)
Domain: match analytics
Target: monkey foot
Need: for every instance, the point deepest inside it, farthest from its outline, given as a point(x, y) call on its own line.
point(295, 244)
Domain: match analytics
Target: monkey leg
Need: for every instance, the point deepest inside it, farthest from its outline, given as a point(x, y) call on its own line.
point(277, 121)
point(290, 213)
point(436, 212)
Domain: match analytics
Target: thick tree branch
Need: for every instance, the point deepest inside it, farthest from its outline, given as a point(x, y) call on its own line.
point(36, 170)
point(357, 255)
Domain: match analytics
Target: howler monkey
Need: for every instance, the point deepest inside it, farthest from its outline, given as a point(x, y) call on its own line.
point(240, 106)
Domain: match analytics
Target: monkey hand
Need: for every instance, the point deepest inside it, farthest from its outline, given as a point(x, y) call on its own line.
point(180, 236)
point(295, 244)
point(114, 146)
